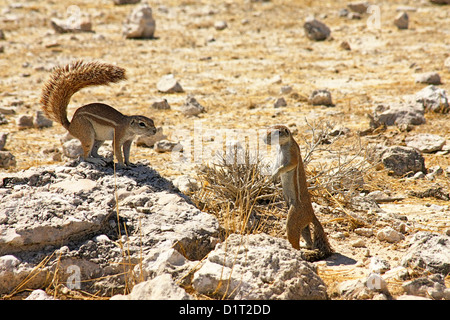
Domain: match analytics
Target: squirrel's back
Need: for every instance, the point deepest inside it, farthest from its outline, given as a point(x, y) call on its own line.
point(66, 81)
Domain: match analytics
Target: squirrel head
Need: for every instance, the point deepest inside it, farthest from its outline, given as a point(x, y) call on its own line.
point(278, 134)
point(142, 125)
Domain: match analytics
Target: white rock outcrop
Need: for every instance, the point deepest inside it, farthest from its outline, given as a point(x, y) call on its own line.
point(258, 267)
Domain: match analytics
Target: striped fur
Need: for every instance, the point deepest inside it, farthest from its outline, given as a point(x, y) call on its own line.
point(289, 166)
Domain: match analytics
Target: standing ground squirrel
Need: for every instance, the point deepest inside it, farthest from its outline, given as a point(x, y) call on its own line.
point(289, 166)
point(94, 123)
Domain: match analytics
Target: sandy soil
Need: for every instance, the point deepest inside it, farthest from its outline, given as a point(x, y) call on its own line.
point(237, 74)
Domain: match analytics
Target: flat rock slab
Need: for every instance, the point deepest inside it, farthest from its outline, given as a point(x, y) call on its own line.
point(82, 185)
point(53, 205)
point(425, 142)
point(36, 217)
point(72, 210)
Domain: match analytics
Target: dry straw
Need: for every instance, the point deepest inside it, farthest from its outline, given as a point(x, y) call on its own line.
point(237, 189)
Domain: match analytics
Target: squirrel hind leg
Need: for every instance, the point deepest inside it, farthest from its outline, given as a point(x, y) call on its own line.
point(93, 156)
point(95, 147)
point(83, 130)
point(297, 225)
point(294, 241)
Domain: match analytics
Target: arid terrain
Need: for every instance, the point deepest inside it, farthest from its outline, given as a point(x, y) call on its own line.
point(237, 73)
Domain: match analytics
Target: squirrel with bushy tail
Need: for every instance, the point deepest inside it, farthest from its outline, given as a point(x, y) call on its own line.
point(93, 123)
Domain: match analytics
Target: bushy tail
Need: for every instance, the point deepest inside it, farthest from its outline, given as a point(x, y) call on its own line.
point(66, 81)
point(322, 248)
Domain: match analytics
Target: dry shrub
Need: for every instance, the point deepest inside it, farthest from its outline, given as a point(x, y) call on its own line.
point(239, 189)
point(336, 161)
point(339, 171)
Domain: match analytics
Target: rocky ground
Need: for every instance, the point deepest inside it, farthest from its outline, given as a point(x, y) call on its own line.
point(379, 81)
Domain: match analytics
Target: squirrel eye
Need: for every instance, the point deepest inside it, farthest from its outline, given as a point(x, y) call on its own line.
point(142, 124)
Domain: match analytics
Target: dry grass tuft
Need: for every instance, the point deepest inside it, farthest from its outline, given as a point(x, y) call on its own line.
point(238, 190)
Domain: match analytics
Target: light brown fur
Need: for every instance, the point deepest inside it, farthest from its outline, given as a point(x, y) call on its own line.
point(96, 122)
point(289, 166)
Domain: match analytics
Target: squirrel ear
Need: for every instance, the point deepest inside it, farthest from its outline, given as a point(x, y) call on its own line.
point(132, 121)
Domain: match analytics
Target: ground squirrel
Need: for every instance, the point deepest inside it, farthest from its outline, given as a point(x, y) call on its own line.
point(95, 122)
point(289, 166)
